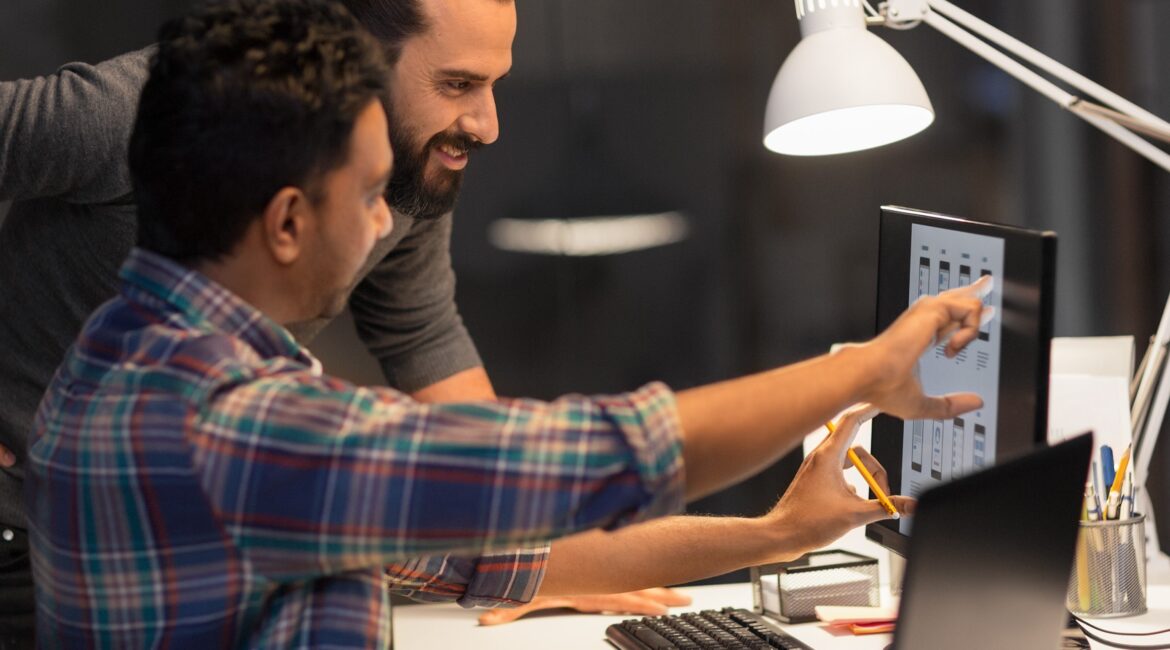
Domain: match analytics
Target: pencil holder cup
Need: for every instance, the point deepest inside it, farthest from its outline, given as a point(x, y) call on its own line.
point(1109, 575)
point(790, 591)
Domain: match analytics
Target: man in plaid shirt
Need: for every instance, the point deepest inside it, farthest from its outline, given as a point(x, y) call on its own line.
point(196, 479)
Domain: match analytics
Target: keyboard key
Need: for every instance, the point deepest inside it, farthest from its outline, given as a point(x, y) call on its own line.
point(730, 628)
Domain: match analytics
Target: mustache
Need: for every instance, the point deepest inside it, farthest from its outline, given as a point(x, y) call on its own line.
point(460, 141)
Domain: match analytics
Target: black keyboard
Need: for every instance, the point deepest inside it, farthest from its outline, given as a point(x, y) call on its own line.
point(737, 629)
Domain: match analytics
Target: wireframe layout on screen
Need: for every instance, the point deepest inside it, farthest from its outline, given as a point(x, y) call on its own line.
point(920, 254)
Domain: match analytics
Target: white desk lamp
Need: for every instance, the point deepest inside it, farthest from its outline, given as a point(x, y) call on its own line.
point(843, 89)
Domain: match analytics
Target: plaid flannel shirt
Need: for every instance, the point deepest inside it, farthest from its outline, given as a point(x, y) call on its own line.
point(195, 479)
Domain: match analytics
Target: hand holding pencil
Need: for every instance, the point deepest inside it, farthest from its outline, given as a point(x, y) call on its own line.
point(821, 505)
point(869, 480)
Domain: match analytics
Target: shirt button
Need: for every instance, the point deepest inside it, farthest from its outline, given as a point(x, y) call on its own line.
point(7, 535)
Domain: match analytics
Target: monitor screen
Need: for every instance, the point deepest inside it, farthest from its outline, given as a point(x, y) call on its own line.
point(920, 254)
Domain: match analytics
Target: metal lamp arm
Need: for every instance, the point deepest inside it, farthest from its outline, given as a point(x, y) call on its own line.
point(1047, 64)
point(1116, 119)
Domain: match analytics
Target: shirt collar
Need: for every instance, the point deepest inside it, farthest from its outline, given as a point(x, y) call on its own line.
point(199, 302)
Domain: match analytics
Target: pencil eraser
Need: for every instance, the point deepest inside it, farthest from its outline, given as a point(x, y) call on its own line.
point(897, 515)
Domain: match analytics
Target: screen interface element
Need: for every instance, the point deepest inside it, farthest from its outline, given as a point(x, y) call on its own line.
point(941, 450)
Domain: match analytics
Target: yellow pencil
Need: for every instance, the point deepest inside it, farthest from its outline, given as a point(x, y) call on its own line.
point(1119, 479)
point(881, 496)
point(1113, 504)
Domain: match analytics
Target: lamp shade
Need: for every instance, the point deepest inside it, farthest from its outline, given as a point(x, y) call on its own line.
point(842, 89)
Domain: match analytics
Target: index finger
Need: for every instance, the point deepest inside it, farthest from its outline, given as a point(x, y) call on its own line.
point(846, 428)
point(980, 288)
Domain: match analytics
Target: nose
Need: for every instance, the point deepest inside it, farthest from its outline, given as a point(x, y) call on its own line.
point(383, 220)
point(480, 120)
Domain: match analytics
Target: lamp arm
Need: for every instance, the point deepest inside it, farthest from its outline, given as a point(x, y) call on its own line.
point(1148, 414)
point(1146, 438)
point(1124, 136)
point(997, 58)
point(1047, 64)
point(1041, 84)
point(1133, 124)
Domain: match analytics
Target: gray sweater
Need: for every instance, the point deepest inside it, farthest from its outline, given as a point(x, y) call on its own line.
point(63, 142)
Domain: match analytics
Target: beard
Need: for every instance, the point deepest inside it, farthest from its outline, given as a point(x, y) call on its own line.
point(410, 192)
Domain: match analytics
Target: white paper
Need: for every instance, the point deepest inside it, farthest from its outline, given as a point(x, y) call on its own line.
point(1103, 356)
point(1078, 403)
point(1089, 390)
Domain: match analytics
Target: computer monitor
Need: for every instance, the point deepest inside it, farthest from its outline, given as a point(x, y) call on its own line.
point(922, 253)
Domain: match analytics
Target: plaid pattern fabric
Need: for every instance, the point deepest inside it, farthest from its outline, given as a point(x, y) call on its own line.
point(195, 479)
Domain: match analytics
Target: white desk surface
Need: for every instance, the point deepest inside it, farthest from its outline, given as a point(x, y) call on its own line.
point(449, 626)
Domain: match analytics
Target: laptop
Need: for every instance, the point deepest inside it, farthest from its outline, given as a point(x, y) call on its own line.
point(990, 554)
point(988, 565)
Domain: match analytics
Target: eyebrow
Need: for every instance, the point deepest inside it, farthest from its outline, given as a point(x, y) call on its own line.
point(468, 75)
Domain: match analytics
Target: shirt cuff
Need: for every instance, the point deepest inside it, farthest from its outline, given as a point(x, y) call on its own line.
point(504, 579)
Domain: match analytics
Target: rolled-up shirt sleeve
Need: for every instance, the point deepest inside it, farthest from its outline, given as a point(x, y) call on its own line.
point(312, 475)
point(498, 580)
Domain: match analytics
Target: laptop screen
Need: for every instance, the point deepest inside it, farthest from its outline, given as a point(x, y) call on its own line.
point(990, 558)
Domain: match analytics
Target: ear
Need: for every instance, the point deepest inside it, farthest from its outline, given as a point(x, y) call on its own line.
point(285, 223)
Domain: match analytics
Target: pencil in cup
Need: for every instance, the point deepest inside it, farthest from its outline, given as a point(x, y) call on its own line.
point(877, 490)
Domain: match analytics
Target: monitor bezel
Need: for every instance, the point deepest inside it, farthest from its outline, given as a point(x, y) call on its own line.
point(1029, 262)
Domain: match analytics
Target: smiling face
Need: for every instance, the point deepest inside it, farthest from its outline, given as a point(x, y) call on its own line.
point(443, 106)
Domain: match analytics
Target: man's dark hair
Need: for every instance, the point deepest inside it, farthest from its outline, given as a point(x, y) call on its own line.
point(245, 97)
point(390, 21)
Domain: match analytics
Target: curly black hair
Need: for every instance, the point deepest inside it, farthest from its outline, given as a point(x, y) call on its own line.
point(245, 97)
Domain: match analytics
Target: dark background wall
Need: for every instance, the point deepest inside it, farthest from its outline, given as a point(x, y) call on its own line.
point(623, 106)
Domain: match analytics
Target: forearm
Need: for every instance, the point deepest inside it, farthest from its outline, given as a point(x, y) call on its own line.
point(665, 551)
point(736, 428)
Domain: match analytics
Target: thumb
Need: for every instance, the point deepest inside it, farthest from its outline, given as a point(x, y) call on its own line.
point(948, 406)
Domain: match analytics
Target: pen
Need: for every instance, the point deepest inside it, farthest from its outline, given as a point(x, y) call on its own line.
point(1092, 504)
point(1107, 466)
point(1097, 493)
point(881, 496)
